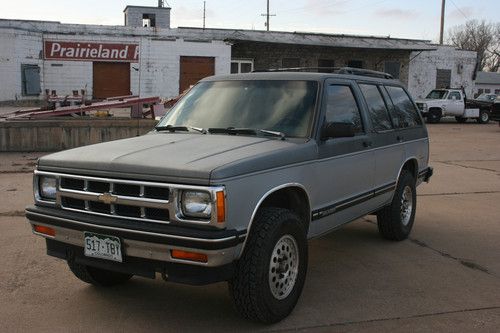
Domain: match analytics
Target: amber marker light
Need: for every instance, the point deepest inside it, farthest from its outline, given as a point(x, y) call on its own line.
point(44, 230)
point(191, 256)
point(221, 207)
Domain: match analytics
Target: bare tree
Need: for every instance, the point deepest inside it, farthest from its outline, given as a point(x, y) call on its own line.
point(482, 37)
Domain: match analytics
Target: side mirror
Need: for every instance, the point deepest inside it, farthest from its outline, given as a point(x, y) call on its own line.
point(337, 130)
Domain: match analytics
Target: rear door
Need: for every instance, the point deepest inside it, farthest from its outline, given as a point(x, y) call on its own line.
point(345, 167)
point(387, 142)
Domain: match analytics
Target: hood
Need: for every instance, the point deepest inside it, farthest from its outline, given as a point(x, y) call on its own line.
point(430, 101)
point(180, 157)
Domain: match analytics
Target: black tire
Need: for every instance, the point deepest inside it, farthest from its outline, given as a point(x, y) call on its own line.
point(434, 116)
point(484, 117)
point(251, 288)
point(97, 276)
point(392, 223)
point(461, 120)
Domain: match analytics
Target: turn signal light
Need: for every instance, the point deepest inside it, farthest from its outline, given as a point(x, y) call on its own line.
point(44, 230)
point(221, 207)
point(191, 256)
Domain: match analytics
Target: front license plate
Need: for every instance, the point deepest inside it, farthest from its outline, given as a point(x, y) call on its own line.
point(101, 246)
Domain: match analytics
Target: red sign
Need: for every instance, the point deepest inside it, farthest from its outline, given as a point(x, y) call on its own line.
point(57, 50)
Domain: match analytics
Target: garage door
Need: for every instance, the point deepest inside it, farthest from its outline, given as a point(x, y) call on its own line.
point(111, 79)
point(193, 69)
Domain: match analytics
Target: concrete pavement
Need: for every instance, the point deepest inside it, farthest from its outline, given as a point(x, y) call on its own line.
point(446, 277)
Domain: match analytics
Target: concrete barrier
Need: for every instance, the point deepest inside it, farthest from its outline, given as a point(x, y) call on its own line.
point(54, 135)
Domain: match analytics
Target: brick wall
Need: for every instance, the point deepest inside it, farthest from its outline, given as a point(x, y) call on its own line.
point(270, 55)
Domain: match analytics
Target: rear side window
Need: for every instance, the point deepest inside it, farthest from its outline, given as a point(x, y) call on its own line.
point(342, 107)
point(404, 114)
point(455, 95)
point(376, 106)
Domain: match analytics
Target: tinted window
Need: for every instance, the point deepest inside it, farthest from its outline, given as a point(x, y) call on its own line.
point(404, 114)
point(378, 111)
point(342, 108)
point(283, 106)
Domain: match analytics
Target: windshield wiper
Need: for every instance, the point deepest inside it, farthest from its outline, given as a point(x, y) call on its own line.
point(247, 131)
point(172, 128)
point(274, 133)
point(232, 130)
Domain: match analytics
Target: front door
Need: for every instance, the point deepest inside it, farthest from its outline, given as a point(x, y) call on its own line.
point(345, 166)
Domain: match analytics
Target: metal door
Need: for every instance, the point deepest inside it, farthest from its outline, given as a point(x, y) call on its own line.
point(193, 69)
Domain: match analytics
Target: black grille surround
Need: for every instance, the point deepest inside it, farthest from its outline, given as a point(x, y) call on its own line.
point(133, 200)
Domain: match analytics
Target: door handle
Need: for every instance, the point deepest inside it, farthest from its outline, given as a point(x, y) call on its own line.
point(367, 144)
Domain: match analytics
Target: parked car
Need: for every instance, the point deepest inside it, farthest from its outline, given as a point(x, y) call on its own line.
point(495, 110)
point(233, 181)
point(453, 102)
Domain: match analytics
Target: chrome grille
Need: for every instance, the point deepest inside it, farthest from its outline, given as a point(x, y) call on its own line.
point(118, 198)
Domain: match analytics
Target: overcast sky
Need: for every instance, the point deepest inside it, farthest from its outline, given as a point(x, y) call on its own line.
point(396, 18)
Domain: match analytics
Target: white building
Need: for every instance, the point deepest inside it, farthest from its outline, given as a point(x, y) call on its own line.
point(446, 66)
point(105, 60)
point(487, 82)
point(148, 58)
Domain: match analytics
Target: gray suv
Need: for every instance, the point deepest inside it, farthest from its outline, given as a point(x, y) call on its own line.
point(233, 181)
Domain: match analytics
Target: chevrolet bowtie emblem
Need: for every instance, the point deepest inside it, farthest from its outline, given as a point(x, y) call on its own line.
point(107, 198)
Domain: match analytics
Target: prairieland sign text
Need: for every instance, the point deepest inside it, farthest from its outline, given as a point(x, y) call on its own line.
point(83, 51)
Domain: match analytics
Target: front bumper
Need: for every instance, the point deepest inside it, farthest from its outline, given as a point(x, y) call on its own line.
point(145, 252)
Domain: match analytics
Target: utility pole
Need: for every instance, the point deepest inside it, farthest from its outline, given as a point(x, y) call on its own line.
point(267, 15)
point(204, 2)
point(443, 4)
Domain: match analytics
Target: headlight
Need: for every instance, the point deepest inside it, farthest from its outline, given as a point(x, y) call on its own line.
point(196, 204)
point(47, 187)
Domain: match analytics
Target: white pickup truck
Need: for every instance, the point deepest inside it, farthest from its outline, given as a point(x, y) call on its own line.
point(453, 102)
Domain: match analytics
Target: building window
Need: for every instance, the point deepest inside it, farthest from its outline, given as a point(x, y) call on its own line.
point(30, 78)
point(487, 91)
point(497, 91)
point(290, 62)
point(326, 65)
point(355, 64)
point(241, 66)
point(443, 78)
point(148, 20)
point(392, 67)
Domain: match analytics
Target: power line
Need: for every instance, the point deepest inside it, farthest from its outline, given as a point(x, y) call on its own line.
point(267, 15)
point(461, 12)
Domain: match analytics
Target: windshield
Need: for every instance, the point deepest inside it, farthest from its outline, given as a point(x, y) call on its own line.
point(436, 94)
point(282, 106)
point(486, 97)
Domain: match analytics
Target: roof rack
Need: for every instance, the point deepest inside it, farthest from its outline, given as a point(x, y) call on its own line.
point(336, 70)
